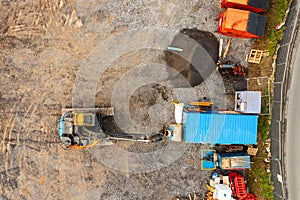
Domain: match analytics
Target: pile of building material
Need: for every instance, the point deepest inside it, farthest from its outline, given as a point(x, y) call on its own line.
point(228, 187)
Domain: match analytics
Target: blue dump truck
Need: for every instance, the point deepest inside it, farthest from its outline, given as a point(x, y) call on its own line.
point(210, 160)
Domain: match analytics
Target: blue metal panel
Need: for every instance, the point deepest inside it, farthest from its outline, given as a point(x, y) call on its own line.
point(219, 128)
point(171, 128)
point(61, 127)
point(207, 162)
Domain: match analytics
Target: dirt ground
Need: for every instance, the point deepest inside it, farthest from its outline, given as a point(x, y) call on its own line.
point(44, 48)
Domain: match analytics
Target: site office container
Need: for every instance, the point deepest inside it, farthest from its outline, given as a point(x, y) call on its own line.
point(219, 128)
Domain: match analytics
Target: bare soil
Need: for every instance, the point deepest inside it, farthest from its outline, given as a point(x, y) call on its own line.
point(43, 45)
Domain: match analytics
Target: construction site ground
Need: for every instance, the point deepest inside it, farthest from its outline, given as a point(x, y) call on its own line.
point(44, 46)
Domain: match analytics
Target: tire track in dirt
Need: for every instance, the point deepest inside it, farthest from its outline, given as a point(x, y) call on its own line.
point(7, 134)
point(23, 129)
point(10, 169)
point(30, 141)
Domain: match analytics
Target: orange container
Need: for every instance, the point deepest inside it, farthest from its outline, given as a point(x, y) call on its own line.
point(241, 23)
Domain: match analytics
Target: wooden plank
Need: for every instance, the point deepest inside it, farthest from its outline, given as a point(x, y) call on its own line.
point(201, 103)
point(255, 56)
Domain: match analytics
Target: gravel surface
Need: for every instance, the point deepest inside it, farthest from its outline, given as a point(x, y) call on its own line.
point(47, 46)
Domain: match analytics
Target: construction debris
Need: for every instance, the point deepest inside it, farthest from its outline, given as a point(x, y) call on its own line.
point(220, 48)
point(279, 26)
point(228, 187)
point(252, 151)
point(233, 148)
point(175, 49)
point(235, 69)
point(227, 49)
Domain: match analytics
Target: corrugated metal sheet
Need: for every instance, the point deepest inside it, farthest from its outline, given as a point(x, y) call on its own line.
point(257, 24)
point(263, 4)
point(219, 128)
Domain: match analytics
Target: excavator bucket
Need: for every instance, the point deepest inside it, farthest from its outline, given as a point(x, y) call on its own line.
point(241, 23)
point(77, 146)
point(257, 6)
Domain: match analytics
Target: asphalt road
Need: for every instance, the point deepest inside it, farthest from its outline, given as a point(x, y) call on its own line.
point(293, 132)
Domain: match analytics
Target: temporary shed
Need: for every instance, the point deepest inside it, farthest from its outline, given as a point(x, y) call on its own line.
point(241, 23)
point(219, 128)
point(251, 5)
point(248, 101)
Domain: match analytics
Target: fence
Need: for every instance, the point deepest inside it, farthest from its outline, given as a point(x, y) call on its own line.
point(277, 131)
point(262, 84)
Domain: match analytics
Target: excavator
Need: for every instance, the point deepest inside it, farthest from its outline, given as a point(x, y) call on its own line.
point(81, 128)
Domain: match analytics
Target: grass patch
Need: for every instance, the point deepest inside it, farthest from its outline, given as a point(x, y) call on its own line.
point(275, 14)
point(259, 181)
point(264, 121)
point(264, 125)
point(261, 184)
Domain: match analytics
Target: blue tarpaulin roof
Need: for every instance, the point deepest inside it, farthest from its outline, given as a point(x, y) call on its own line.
point(219, 128)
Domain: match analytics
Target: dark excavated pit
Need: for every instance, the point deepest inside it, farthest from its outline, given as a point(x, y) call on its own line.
point(197, 60)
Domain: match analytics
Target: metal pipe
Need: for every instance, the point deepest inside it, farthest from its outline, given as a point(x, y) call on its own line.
point(127, 139)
